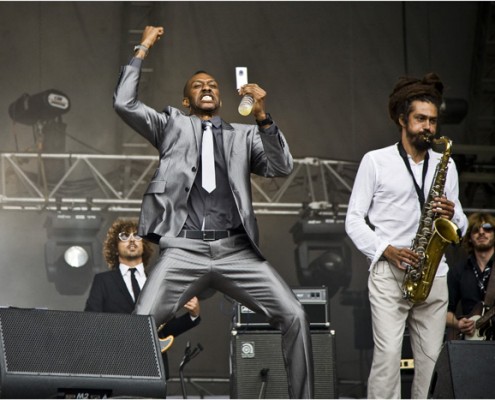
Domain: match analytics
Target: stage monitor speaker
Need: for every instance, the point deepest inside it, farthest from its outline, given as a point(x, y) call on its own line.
point(257, 366)
point(63, 354)
point(463, 370)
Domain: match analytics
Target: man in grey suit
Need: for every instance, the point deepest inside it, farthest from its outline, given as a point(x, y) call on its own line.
point(208, 237)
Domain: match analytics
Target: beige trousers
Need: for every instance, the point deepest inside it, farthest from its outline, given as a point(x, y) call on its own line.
point(390, 314)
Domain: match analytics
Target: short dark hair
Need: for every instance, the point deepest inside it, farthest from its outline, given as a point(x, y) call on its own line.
point(201, 71)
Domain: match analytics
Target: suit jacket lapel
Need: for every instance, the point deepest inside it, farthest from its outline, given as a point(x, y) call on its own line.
point(198, 131)
point(120, 283)
point(228, 141)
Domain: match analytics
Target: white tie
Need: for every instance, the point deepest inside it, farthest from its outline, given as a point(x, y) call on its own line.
point(208, 159)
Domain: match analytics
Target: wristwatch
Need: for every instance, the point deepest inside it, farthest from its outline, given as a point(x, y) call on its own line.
point(267, 121)
point(141, 47)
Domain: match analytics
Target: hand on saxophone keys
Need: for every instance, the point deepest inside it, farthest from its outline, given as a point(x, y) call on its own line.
point(444, 207)
point(400, 258)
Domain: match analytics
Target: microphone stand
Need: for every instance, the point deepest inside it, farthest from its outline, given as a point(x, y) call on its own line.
point(188, 356)
point(264, 380)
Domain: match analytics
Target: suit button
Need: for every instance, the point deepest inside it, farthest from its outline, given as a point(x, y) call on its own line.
point(186, 189)
point(193, 169)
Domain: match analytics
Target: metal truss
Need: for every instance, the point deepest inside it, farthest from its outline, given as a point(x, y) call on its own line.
point(116, 183)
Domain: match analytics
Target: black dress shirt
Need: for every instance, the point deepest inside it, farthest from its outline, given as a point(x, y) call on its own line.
point(463, 285)
point(218, 208)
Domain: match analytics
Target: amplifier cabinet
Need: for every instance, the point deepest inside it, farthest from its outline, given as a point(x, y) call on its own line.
point(257, 366)
point(314, 301)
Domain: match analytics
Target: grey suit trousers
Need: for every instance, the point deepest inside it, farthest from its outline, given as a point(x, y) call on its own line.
point(188, 267)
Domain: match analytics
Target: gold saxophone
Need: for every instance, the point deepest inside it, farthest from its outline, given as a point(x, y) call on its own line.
point(433, 236)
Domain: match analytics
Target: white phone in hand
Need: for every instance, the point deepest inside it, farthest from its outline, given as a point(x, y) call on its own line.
point(241, 76)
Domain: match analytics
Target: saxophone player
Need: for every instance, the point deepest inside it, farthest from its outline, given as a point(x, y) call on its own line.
point(385, 210)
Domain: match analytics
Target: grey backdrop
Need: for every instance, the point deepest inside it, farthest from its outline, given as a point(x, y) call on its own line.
point(328, 68)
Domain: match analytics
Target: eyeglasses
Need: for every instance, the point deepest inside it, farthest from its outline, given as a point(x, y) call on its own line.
point(125, 237)
point(487, 227)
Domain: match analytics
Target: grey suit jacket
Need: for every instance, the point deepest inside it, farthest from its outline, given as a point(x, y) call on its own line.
point(177, 137)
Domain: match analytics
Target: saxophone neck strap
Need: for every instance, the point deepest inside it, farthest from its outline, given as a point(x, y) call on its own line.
point(419, 190)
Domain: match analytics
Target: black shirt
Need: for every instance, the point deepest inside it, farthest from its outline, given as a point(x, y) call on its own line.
point(218, 207)
point(464, 287)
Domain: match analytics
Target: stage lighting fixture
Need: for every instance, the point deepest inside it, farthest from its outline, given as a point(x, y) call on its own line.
point(322, 254)
point(76, 256)
point(40, 107)
point(73, 253)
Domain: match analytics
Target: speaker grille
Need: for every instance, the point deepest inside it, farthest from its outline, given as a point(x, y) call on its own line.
point(462, 371)
point(254, 351)
point(77, 343)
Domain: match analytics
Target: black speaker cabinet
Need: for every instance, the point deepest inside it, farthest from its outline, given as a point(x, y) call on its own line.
point(254, 353)
point(464, 371)
point(62, 354)
point(406, 366)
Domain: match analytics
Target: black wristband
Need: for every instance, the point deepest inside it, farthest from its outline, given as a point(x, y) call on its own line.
point(267, 121)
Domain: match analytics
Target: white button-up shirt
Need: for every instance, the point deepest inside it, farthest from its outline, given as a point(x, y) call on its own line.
point(126, 274)
point(385, 193)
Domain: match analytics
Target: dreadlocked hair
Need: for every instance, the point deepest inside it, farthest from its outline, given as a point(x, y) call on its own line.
point(408, 89)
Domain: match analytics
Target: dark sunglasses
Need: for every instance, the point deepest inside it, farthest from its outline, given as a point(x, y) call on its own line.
point(486, 227)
